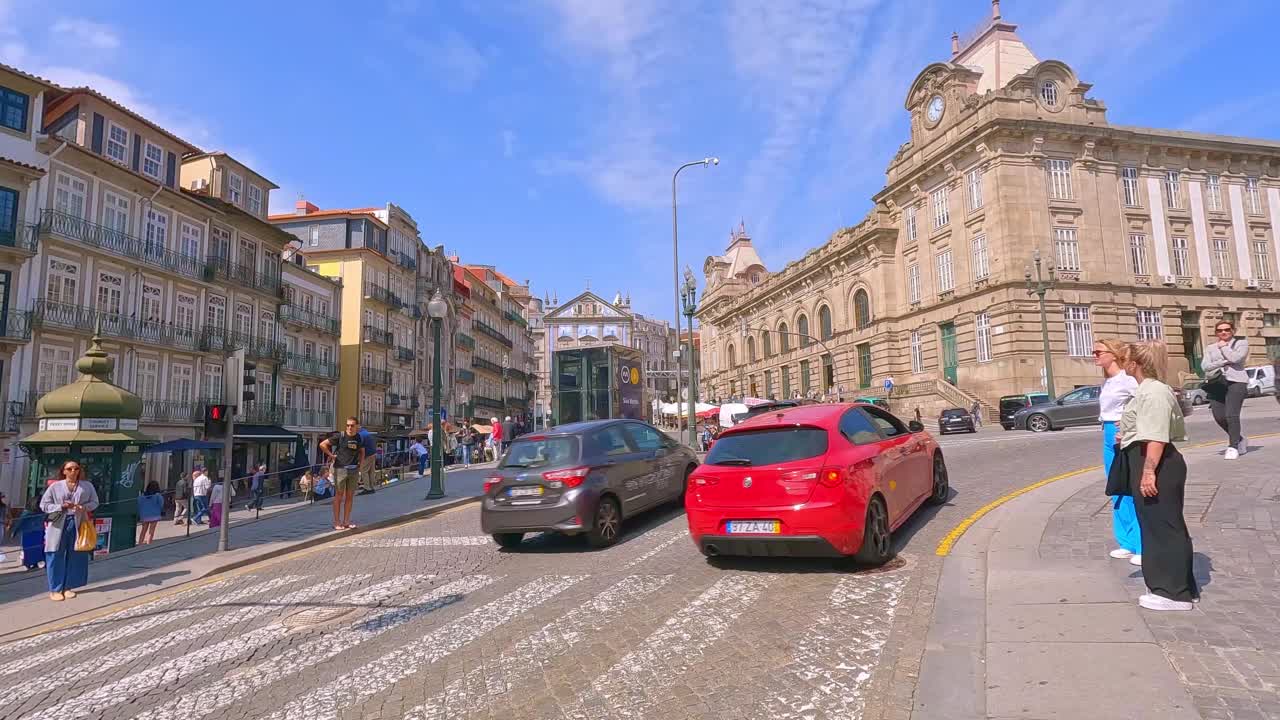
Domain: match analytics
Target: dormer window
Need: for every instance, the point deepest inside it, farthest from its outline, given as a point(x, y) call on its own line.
point(13, 110)
point(118, 144)
point(755, 278)
point(1049, 93)
point(152, 161)
point(255, 199)
point(235, 188)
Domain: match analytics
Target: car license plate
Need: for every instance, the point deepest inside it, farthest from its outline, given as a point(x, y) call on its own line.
point(758, 527)
point(524, 491)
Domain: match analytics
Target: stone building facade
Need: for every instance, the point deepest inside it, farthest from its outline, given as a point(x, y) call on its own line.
point(1151, 233)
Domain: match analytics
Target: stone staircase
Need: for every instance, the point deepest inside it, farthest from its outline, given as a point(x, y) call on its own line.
point(932, 397)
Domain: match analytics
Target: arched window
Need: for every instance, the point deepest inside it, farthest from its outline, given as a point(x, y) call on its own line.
point(824, 322)
point(1049, 93)
point(784, 338)
point(751, 349)
point(861, 310)
point(768, 344)
point(802, 329)
point(733, 357)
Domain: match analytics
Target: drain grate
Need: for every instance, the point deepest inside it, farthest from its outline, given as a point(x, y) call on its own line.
point(316, 616)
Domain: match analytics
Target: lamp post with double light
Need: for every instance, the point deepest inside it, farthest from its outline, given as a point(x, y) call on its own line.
point(1039, 286)
point(675, 259)
point(690, 307)
point(436, 310)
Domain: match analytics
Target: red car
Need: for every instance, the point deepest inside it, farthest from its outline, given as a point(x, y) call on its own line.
point(830, 480)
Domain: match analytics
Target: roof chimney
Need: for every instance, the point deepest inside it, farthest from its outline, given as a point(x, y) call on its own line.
point(304, 207)
point(955, 43)
point(995, 9)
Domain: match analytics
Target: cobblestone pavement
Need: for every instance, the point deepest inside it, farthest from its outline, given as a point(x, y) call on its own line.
point(1227, 651)
point(431, 620)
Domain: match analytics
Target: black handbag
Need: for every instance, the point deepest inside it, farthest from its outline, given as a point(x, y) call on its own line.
point(1118, 477)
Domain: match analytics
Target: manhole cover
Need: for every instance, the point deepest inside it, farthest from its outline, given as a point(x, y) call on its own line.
point(316, 616)
point(899, 562)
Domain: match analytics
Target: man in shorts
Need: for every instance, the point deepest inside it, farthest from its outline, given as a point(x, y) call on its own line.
point(346, 451)
point(370, 463)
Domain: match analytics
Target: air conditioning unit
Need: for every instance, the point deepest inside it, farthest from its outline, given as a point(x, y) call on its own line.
point(1169, 279)
point(200, 184)
point(1211, 282)
point(1252, 283)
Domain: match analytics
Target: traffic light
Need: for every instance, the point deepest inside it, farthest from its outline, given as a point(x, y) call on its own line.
point(249, 380)
point(241, 377)
point(215, 421)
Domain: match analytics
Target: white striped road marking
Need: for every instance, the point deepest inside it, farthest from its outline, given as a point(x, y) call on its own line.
point(27, 663)
point(1013, 435)
point(525, 661)
point(442, 541)
point(132, 686)
point(324, 703)
point(98, 623)
point(837, 655)
point(626, 689)
point(242, 682)
point(681, 535)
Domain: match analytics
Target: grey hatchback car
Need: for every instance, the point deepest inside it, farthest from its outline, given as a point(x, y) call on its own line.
point(583, 478)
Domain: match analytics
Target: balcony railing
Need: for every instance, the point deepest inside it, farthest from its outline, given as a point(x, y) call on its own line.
point(404, 354)
point(414, 402)
point(465, 341)
point(466, 376)
point(393, 399)
point(481, 363)
point(299, 417)
point(377, 336)
point(517, 374)
point(405, 260)
point(311, 366)
point(24, 238)
point(377, 293)
point(375, 420)
point(222, 340)
point(261, 414)
point(301, 317)
point(517, 402)
point(15, 325)
point(515, 318)
point(413, 310)
point(482, 401)
point(375, 376)
point(491, 332)
point(127, 246)
point(172, 412)
point(222, 269)
point(48, 313)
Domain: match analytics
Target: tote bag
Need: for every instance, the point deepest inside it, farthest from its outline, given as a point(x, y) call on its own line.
point(86, 536)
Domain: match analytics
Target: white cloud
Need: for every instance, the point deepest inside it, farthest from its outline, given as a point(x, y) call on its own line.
point(191, 128)
point(508, 143)
point(451, 57)
point(86, 33)
point(1115, 46)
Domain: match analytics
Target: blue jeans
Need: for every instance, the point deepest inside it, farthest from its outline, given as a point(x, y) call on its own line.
point(466, 454)
point(202, 508)
point(1124, 518)
point(422, 464)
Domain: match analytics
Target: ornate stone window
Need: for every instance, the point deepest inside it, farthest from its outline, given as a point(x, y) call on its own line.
point(1049, 94)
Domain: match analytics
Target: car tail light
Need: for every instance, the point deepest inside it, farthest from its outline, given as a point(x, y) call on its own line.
point(828, 477)
point(799, 476)
point(831, 477)
point(492, 482)
point(573, 477)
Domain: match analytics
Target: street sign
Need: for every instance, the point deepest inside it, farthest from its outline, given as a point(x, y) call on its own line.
point(888, 384)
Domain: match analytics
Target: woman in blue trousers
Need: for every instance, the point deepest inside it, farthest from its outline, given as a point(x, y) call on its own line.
point(1117, 390)
point(68, 501)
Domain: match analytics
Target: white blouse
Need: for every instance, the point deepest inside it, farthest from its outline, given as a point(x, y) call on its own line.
point(1117, 391)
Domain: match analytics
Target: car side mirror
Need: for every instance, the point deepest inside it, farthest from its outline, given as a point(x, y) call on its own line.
point(915, 426)
point(1060, 401)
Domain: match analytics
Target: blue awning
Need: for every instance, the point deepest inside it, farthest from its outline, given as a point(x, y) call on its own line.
point(265, 433)
point(182, 445)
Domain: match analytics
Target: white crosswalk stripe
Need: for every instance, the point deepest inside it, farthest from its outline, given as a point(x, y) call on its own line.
point(241, 683)
point(682, 534)
point(441, 541)
point(669, 653)
point(325, 703)
point(102, 663)
point(526, 660)
point(839, 652)
point(138, 683)
point(115, 617)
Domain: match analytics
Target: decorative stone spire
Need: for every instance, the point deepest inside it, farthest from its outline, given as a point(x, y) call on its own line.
point(995, 9)
point(955, 43)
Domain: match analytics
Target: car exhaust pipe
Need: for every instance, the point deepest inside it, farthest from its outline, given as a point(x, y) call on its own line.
point(712, 551)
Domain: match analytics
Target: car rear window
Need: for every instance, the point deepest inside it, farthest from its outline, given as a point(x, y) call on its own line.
point(768, 447)
point(953, 413)
point(1013, 403)
point(541, 450)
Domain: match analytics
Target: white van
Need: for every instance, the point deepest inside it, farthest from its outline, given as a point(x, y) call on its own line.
point(731, 414)
point(1262, 380)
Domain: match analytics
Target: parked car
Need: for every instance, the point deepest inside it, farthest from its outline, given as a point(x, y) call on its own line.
point(732, 413)
point(775, 406)
point(877, 401)
point(1011, 404)
point(1193, 391)
point(955, 420)
point(582, 478)
point(1078, 407)
point(814, 481)
point(1262, 380)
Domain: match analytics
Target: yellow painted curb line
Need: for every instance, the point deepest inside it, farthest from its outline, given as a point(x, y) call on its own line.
point(948, 542)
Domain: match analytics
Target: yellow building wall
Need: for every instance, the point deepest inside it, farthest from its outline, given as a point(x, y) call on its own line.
point(351, 272)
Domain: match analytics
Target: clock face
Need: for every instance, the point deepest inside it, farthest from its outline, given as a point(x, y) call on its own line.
point(936, 106)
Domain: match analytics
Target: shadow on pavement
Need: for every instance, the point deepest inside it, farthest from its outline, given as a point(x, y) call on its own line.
point(157, 579)
point(632, 528)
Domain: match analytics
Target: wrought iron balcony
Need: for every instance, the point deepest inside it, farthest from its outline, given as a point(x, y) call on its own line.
point(517, 374)
point(414, 402)
point(375, 376)
point(414, 311)
point(222, 269)
point(405, 260)
point(374, 420)
point(515, 318)
point(25, 238)
point(310, 366)
point(172, 412)
point(464, 341)
point(221, 340)
point(404, 354)
point(492, 332)
point(261, 414)
point(70, 227)
point(48, 313)
point(377, 293)
point(299, 417)
point(482, 364)
point(15, 325)
point(483, 401)
point(377, 336)
point(301, 317)
point(518, 402)
point(466, 376)
point(393, 399)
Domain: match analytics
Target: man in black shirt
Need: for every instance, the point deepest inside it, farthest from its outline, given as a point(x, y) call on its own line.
point(346, 451)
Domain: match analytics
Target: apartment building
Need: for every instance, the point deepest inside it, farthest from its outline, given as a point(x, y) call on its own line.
point(464, 346)
point(311, 321)
point(504, 353)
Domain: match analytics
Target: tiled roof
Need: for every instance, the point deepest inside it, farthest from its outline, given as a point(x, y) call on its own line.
point(29, 76)
point(23, 165)
point(85, 90)
point(286, 217)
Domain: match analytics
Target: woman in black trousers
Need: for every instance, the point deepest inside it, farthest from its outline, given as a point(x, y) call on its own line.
point(1151, 422)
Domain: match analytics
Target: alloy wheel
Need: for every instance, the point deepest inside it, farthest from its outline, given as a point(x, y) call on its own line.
point(607, 521)
point(879, 520)
point(1038, 423)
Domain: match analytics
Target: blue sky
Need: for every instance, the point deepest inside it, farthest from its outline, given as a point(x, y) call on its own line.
point(540, 135)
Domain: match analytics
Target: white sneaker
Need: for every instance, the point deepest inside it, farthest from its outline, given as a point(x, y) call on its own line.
point(1121, 554)
point(1155, 602)
point(1243, 447)
point(1135, 560)
point(1231, 454)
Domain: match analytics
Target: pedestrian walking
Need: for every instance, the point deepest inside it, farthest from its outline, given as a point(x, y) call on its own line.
point(67, 503)
point(150, 509)
point(370, 461)
point(1149, 426)
point(182, 499)
point(1226, 384)
point(976, 412)
point(257, 486)
point(508, 434)
point(919, 417)
point(495, 436)
point(347, 452)
point(1117, 390)
point(215, 501)
point(201, 486)
point(4, 515)
point(30, 529)
point(420, 454)
point(1275, 369)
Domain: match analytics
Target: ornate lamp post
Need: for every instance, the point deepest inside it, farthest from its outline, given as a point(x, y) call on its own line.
point(436, 310)
point(1039, 287)
point(690, 294)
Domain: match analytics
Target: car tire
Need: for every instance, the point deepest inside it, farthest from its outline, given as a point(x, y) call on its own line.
point(1039, 423)
point(877, 540)
point(508, 540)
point(606, 523)
point(684, 487)
point(941, 481)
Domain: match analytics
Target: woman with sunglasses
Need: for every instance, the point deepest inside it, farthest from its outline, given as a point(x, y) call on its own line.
point(1226, 384)
point(68, 502)
point(1117, 390)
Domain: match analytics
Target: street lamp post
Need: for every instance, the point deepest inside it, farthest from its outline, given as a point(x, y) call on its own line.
point(1039, 287)
point(690, 307)
point(675, 260)
point(436, 309)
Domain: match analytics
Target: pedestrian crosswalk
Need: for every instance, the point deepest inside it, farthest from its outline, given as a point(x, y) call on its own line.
point(436, 646)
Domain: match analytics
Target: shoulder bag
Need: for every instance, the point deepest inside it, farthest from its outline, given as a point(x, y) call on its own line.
point(1118, 477)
